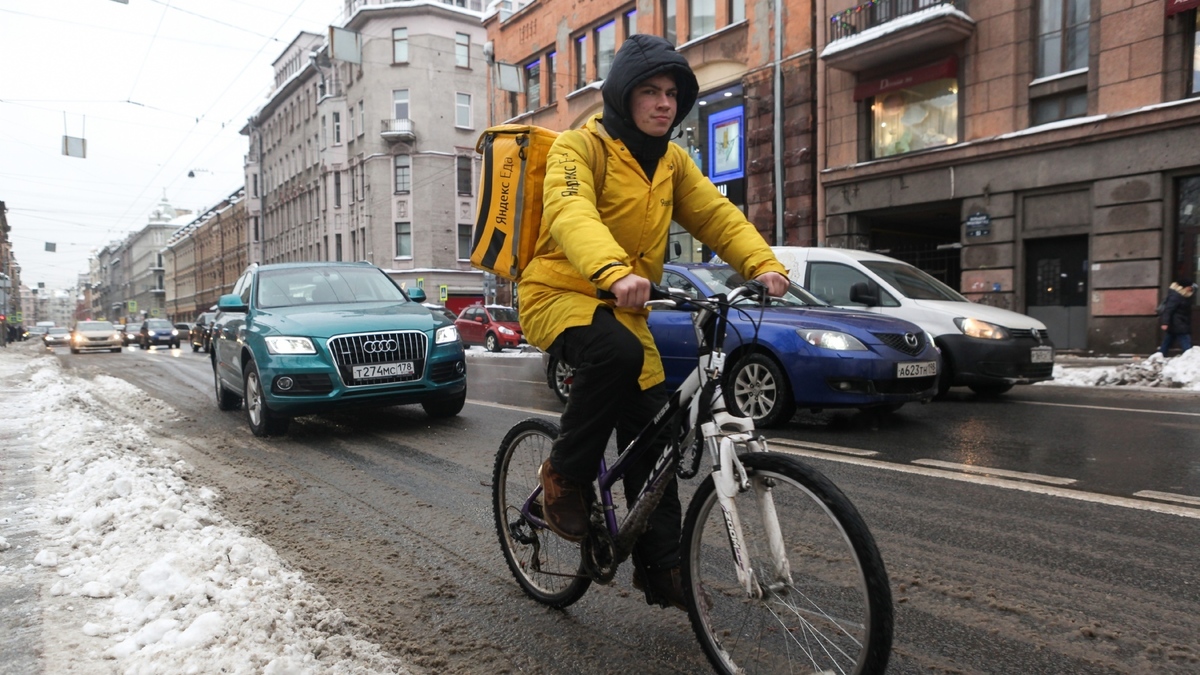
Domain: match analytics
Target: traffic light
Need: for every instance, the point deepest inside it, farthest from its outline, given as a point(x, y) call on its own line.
point(3, 318)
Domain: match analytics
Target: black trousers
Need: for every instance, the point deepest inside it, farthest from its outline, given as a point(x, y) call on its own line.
point(606, 396)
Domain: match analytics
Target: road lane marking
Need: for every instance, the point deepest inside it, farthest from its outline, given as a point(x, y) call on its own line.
point(502, 406)
point(1003, 473)
point(1101, 407)
point(1048, 490)
point(821, 446)
point(1168, 496)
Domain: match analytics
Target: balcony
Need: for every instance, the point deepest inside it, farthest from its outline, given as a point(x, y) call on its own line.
point(398, 130)
point(893, 31)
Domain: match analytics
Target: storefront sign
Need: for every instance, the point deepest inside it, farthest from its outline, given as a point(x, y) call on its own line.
point(726, 144)
point(947, 67)
point(979, 225)
point(1177, 6)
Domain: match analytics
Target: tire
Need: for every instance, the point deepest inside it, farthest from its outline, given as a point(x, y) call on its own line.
point(559, 376)
point(226, 400)
point(837, 610)
point(491, 343)
point(446, 407)
point(74, 351)
point(759, 389)
point(263, 421)
point(195, 348)
point(537, 558)
point(174, 345)
point(116, 350)
point(989, 389)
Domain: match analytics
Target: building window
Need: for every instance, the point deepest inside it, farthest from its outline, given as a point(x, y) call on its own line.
point(403, 240)
point(337, 191)
point(403, 173)
point(551, 61)
point(737, 11)
point(337, 238)
point(337, 128)
point(580, 61)
point(324, 133)
point(1059, 107)
point(350, 122)
point(668, 12)
point(464, 241)
point(462, 50)
point(533, 85)
point(702, 18)
point(465, 178)
point(462, 110)
point(1062, 36)
point(918, 117)
point(630, 22)
point(399, 45)
point(400, 104)
point(1195, 65)
point(606, 47)
point(362, 118)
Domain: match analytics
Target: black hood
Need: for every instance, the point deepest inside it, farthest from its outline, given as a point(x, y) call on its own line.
point(640, 58)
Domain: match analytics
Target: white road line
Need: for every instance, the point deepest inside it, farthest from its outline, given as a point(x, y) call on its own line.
point(1101, 407)
point(821, 446)
point(1169, 497)
point(1003, 473)
point(1049, 490)
point(534, 411)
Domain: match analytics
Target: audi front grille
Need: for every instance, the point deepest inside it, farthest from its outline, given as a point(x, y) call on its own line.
point(379, 349)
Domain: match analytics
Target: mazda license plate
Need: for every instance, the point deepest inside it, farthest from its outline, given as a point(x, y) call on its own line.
point(916, 369)
point(376, 371)
point(1041, 355)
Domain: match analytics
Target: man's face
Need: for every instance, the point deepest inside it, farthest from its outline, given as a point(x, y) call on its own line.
point(653, 105)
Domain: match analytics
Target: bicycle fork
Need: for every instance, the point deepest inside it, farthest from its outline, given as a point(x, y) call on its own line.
point(730, 479)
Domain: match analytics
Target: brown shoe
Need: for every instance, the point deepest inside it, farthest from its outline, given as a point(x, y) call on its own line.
point(665, 588)
point(565, 504)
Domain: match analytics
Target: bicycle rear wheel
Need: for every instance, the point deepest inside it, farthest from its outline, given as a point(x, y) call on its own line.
point(836, 614)
point(548, 568)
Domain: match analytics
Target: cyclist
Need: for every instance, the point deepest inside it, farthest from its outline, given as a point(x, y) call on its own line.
point(616, 242)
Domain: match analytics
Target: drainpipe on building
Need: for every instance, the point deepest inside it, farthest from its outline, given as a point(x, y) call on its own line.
point(778, 122)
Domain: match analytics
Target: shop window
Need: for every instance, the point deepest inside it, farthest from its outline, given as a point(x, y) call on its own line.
point(919, 117)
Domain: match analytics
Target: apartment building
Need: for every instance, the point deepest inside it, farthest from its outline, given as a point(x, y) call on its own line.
point(368, 153)
point(1039, 155)
point(128, 277)
point(550, 58)
point(204, 258)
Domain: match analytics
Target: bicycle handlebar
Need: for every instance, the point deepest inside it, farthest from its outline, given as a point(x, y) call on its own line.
point(752, 289)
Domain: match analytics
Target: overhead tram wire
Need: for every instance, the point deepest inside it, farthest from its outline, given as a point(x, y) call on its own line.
point(146, 58)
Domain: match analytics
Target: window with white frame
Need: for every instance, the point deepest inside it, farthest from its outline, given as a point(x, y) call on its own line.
point(702, 18)
point(465, 175)
point(403, 165)
point(533, 82)
point(350, 122)
point(337, 190)
point(337, 128)
point(399, 45)
point(462, 50)
point(462, 110)
point(400, 104)
point(606, 47)
point(362, 118)
point(403, 240)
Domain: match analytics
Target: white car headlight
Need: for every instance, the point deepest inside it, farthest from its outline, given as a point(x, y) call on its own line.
point(445, 334)
point(831, 339)
point(175, 333)
point(981, 329)
point(280, 344)
point(507, 331)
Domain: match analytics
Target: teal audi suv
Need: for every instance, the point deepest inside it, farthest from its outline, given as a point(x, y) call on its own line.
point(304, 338)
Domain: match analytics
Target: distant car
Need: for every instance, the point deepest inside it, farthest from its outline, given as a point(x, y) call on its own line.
point(558, 375)
point(35, 332)
point(201, 334)
point(444, 311)
point(158, 332)
point(185, 330)
point(90, 335)
point(493, 326)
point(128, 336)
point(303, 338)
point(58, 336)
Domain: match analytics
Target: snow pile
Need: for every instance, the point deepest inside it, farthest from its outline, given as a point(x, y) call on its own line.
point(1180, 372)
point(150, 574)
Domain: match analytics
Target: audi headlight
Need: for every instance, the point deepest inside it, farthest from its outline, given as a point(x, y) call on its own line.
point(981, 329)
point(831, 339)
point(445, 334)
point(279, 344)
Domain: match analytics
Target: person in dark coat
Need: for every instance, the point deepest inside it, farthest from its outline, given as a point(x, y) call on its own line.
point(1176, 317)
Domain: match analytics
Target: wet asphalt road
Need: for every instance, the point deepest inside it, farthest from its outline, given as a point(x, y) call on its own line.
point(1064, 564)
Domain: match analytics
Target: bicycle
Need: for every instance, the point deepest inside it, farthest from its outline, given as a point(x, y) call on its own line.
point(780, 572)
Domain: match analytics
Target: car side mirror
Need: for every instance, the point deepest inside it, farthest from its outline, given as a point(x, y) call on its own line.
point(861, 293)
point(417, 295)
point(232, 303)
point(674, 250)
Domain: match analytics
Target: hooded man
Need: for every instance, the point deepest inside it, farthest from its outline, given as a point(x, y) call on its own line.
point(616, 241)
point(1176, 316)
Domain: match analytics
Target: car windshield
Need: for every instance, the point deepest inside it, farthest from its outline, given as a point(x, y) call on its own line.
point(94, 325)
point(325, 285)
point(58, 331)
point(722, 279)
point(506, 314)
point(158, 324)
point(912, 282)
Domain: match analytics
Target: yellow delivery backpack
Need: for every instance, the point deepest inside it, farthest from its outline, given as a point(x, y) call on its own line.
point(509, 214)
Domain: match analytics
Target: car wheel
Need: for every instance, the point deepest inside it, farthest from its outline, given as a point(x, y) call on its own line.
point(263, 421)
point(989, 389)
point(447, 407)
point(116, 350)
point(195, 348)
point(559, 376)
point(226, 400)
point(758, 389)
point(492, 344)
point(174, 345)
point(74, 351)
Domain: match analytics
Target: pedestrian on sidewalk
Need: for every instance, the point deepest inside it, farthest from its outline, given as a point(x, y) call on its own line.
point(1175, 317)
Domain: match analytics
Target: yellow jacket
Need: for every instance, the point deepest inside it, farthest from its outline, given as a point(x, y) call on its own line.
point(585, 245)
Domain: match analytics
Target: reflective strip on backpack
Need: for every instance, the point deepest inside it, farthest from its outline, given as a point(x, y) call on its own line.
point(496, 244)
point(523, 143)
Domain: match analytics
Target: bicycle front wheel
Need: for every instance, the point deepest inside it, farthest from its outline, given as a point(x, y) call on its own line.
point(548, 567)
point(834, 614)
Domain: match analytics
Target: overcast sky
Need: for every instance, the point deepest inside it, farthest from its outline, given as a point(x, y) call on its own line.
point(158, 88)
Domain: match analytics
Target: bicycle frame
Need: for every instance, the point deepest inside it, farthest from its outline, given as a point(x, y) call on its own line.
point(722, 433)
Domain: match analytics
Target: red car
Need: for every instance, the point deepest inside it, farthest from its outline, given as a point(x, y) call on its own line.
point(493, 326)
